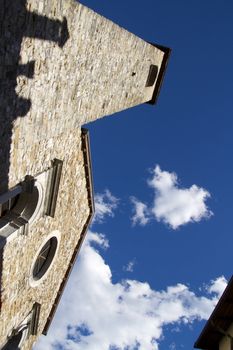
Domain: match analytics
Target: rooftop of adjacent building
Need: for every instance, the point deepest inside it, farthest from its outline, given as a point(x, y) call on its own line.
point(220, 320)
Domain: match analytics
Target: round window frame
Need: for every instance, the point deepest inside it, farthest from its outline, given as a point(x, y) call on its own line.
point(33, 281)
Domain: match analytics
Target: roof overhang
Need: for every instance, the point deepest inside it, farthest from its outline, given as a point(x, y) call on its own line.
point(219, 321)
point(159, 81)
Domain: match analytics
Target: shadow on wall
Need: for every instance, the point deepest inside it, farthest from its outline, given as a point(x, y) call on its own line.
point(16, 22)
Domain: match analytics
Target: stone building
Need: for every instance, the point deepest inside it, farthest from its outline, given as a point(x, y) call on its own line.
point(61, 66)
point(218, 331)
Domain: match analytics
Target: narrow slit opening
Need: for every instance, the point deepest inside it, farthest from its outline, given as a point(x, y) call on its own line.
point(153, 72)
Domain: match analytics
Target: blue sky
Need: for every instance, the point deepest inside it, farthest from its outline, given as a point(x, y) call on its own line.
point(182, 236)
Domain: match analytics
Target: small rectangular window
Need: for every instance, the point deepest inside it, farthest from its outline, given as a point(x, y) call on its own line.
point(53, 187)
point(153, 72)
point(33, 327)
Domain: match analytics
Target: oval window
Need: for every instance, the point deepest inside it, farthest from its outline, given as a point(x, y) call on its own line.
point(44, 258)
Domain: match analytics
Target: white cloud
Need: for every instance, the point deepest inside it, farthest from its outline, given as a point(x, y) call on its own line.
point(217, 286)
point(105, 204)
point(97, 238)
point(141, 212)
point(177, 206)
point(130, 266)
point(173, 205)
point(96, 313)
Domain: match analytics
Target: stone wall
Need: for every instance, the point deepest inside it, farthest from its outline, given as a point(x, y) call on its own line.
point(101, 69)
point(71, 214)
point(61, 66)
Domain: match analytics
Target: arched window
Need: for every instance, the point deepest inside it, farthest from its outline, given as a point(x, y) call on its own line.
point(16, 339)
point(8, 205)
point(13, 342)
point(20, 206)
point(29, 200)
point(28, 327)
point(26, 203)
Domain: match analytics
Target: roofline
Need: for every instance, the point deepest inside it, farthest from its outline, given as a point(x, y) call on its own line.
point(159, 81)
point(210, 324)
point(90, 191)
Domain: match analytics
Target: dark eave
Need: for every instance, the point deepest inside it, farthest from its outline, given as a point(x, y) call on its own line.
point(162, 71)
point(219, 321)
point(89, 184)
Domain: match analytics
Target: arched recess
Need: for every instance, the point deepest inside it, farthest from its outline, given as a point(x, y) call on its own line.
point(20, 206)
point(16, 339)
point(28, 327)
point(14, 342)
point(29, 200)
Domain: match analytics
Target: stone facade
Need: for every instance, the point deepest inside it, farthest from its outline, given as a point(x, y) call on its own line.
point(17, 296)
point(61, 66)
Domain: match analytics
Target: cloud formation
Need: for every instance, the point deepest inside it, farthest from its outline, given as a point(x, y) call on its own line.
point(130, 266)
point(97, 314)
point(172, 205)
point(141, 212)
point(105, 204)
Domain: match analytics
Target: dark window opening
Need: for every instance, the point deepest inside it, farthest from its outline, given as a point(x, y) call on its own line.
point(8, 205)
point(26, 204)
point(18, 205)
point(5, 207)
point(33, 325)
point(44, 258)
point(153, 72)
point(53, 188)
point(13, 342)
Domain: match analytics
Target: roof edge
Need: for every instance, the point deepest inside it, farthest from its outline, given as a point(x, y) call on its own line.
point(210, 323)
point(167, 54)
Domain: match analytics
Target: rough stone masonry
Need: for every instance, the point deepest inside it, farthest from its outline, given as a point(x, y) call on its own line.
point(61, 66)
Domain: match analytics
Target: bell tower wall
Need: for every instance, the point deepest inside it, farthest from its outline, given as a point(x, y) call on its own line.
point(99, 69)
